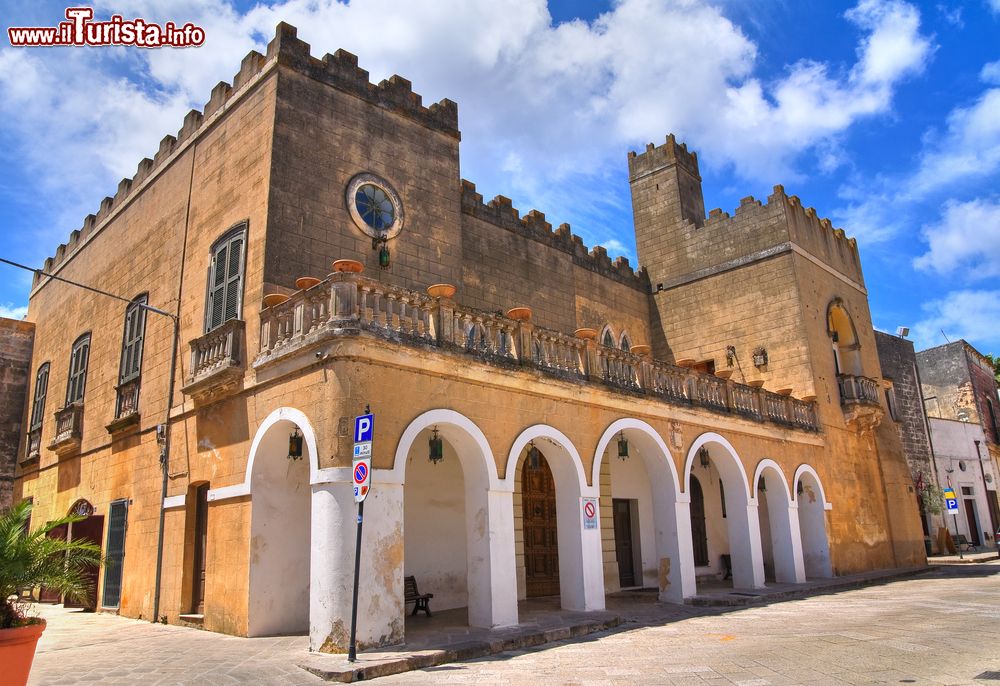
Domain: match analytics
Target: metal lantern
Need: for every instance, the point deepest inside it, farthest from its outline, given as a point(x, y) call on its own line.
point(295, 445)
point(534, 457)
point(622, 446)
point(800, 489)
point(703, 456)
point(761, 485)
point(435, 447)
point(383, 256)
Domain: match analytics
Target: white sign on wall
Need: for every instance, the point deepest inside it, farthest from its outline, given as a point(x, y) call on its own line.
point(590, 513)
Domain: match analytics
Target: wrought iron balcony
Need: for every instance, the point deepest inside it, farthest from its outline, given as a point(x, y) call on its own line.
point(69, 429)
point(33, 448)
point(859, 398)
point(349, 304)
point(216, 362)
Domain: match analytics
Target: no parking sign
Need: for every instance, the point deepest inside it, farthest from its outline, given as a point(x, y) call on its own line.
point(589, 513)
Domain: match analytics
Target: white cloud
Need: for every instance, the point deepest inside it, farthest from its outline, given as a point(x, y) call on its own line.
point(967, 238)
point(540, 104)
point(616, 247)
point(968, 314)
point(10, 311)
point(991, 72)
point(994, 5)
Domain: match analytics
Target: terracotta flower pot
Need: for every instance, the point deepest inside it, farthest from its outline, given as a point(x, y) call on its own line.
point(441, 290)
point(17, 651)
point(641, 349)
point(306, 282)
point(272, 299)
point(521, 314)
point(724, 373)
point(756, 383)
point(586, 334)
point(685, 362)
point(352, 266)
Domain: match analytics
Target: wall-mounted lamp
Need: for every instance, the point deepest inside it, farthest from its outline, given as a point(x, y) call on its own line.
point(622, 446)
point(380, 243)
point(435, 447)
point(760, 357)
point(703, 457)
point(730, 355)
point(534, 457)
point(295, 445)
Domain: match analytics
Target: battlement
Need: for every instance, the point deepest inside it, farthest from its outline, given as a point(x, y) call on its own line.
point(339, 70)
point(501, 213)
point(657, 157)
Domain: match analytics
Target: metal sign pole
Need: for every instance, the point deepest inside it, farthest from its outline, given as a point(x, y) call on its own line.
point(960, 556)
point(352, 651)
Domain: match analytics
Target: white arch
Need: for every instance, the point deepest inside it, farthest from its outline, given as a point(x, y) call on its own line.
point(743, 522)
point(468, 439)
point(490, 569)
point(581, 564)
point(671, 516)
point(807, 469)
point(783, 530)
point(282, 414)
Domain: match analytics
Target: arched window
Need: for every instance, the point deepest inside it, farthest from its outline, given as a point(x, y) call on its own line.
point(844, 339)
point(608, 337)
point(78, 360)
point(225, 278)
point(625, 343)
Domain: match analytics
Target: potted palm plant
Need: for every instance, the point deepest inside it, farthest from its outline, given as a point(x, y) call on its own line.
point(29, 559)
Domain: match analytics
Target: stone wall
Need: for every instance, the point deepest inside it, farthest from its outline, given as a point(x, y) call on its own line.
point(946, 383)
point(16, 339)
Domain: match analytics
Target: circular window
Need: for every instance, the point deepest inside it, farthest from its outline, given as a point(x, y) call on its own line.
point(961, 465)
point(374, 206)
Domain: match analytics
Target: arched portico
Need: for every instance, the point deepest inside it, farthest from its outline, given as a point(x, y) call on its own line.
point(812, 505)
point(474, 563)
point(660, 486)
point(739, 509)
point(280, 525)
point(779, 523)
point(581, 576)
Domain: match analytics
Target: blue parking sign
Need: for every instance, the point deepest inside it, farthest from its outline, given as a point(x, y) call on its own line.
point(364, 425)
point(952, 505)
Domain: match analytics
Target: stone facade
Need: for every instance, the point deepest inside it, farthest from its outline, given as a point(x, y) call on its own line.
point(899, 367)
point(16, 338)
point(502, 366)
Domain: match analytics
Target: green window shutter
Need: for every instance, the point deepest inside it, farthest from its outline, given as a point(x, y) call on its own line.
point(132, 341)
point(78, 370)
point(117, 524)
point(41, 391)
point(226, 281)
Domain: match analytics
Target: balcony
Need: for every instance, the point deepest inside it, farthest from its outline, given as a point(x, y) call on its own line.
point(216, 362)
point(349, 304)
point(69, 430)
point(126, 407)
point(859, 398)
point(33, 448)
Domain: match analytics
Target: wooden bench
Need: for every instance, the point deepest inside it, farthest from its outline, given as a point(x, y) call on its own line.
point(963, 544)
point(412, 594)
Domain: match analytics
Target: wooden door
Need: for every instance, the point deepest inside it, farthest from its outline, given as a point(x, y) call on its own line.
point(975, 538)
point(541, 542)
point(624, 549)
point(91, 530)
point(699, 534)
point(200, 549)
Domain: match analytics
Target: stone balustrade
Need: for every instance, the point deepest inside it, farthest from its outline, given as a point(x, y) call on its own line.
point(69, 429)
point(216, 361)
point(858, 389)
point(348, 303)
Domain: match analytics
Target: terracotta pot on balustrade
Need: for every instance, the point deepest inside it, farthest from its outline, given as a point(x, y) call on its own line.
point(685, 362)
point(304, 283)
point(808, 398)
point(724, 373)
point(520, 314)
point(272, 299)
point(784, 391)
point(643, 350)
point(441, 290)
point(349, 266)
point(586, 334)
point(756, 383)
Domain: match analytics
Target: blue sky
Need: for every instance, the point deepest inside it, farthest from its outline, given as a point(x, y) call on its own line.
point(883, 115)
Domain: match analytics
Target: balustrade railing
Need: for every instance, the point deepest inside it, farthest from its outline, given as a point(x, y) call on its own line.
point(348, 301)
point(69, 428)
point(128, 399)
point(857, 389)
point(34, 446)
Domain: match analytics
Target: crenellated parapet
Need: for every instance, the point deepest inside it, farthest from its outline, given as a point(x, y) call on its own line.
point(339, 70)
point(500, 212)
point(656, 157)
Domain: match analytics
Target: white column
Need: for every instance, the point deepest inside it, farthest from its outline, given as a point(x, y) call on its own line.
point(581, 559)
point(786, 542)
point(744, 546)
point(380, 597)
point(680, 550)
point(492, 577)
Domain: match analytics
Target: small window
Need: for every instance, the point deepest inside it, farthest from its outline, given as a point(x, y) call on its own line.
point(78, 370)
point(967, 490)
point(626, 344)
point(225, 279)
point(41, 390)
point(132, 340)
point(608, 340)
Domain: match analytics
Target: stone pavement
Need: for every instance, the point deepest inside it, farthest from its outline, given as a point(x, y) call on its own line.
point(939, 628)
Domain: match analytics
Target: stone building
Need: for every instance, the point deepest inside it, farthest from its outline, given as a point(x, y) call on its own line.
point(718, 407)
point(16, 338)
point(905, 402)
point(961, 401)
